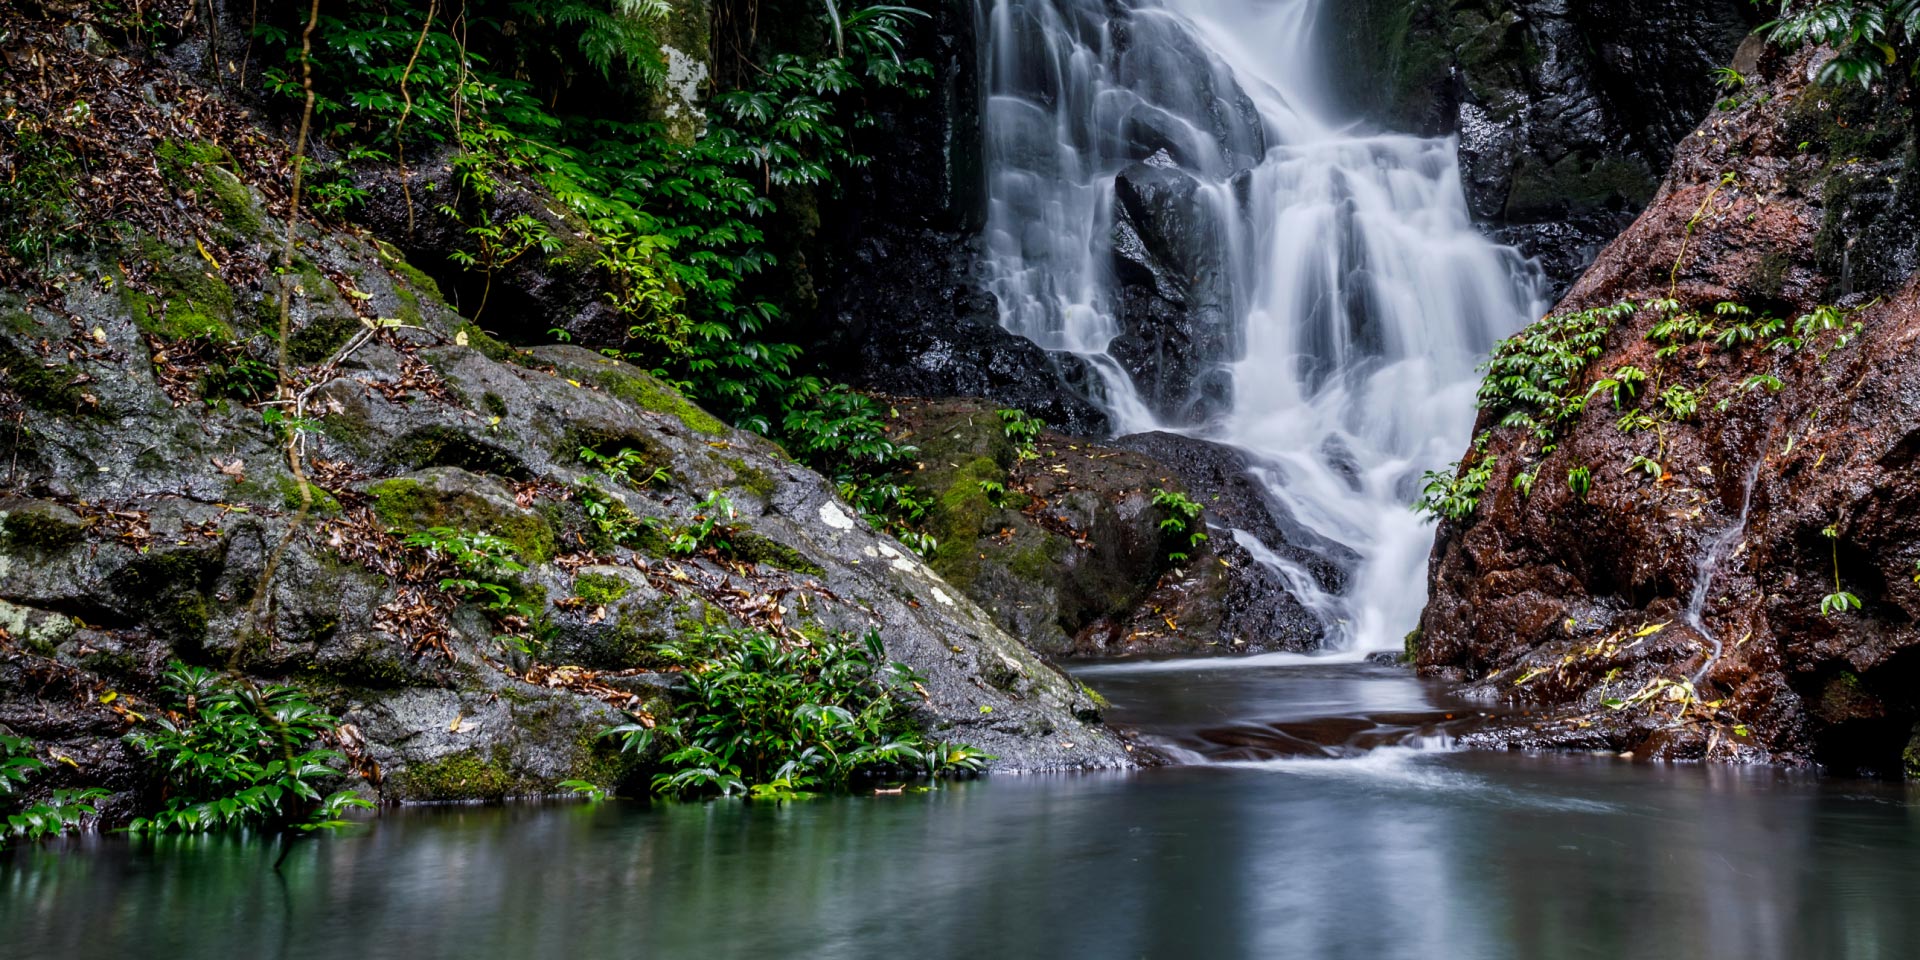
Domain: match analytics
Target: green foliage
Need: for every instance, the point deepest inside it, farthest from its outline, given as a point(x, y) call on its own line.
point(1839, 601)
point(673, 225)
point(628, 466)
point(64, 808)
point(1183, 516)
point(711, 529)
point(1023, 430)
point(483, 560)
point(1869, 36)
point(773, 719)
point(236, 754)
point(238, 375)
point(843, 435)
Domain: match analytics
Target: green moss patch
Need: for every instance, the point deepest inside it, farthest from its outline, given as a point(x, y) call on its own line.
point(751, 479)
point(600, 589)
point(650, 394)
point(55, 389)
point(460, 776)
point(755, 548)
point(204, 170)
point(959, 515)
point(39, 528)
point(407, 505)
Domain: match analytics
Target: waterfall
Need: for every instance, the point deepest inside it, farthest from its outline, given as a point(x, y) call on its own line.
point(1173, 199)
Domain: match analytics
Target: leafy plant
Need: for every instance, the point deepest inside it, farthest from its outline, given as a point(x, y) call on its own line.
point(1868, 35)
point(1023, 430)
point(483, 559)
point(710, 529)
point(239, 753)
point(63, 809)
point(628, 466)
point(1182, 516)
point(1839, 601)
point(775, 719)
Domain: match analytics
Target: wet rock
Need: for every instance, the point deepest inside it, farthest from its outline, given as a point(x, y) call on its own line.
point(1224, 598)
point(1579, 606)
point(1177, 329)
point(1047, 545)
point(1567, 110)
point(910, 316)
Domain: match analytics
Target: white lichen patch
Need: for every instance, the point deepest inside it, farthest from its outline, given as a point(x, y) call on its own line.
point(941, 595)
point(833, 516)
point(685, 74)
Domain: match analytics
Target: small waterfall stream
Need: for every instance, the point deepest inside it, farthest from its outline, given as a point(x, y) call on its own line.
point(1709, 565)
point(1328, 294)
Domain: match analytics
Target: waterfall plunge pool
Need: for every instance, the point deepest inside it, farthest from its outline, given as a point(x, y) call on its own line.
point(1392, 853)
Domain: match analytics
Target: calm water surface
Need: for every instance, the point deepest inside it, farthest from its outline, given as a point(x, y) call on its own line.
point(1388, 854)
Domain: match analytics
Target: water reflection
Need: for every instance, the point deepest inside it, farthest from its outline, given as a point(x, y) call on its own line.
point(1401, 854)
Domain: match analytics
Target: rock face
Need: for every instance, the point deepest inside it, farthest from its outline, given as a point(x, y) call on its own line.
point(1067, 550)
point(149, 511)
point(1174, 306)
point(1567, 110)
point(903, 306)
point(1779, 478)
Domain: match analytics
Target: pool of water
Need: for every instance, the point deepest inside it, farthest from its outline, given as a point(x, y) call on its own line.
point(1327, 852)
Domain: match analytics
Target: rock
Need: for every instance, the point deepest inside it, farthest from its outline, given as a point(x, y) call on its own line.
point(148, 500)
point(1046, 545)
point(1177, 328)
point(909, 315)
point(1585, 597)
point(1567, 110)
point(1224, 598)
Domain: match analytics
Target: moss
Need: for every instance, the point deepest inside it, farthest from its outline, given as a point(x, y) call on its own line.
point(493, 404)
point(650, 394)
point(600, 589)
point(749, 478)
point(439, 446)
point(409, 506)
point(391, 258)
point(1410, 646)
point(459, 776)
point(193, 301)
point(349, 430)
point(202, 169)
point(54, 389)
point(1910, 757)
point(755, 548)
point(959, 515)
point(1040, 561)
point(1769, 277)
point(38, 530)
point(488, 346)
point(324, 504)
point(324, 333)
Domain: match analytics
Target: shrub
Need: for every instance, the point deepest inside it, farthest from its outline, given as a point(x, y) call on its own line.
point(237, 754)
point(64, 808)
point(773, 718)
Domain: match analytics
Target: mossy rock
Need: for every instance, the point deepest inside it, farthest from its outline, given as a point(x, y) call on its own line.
point(419, 282)
point(54, 389)
point(193, 301)
point(649, 393)
point(754, 548)
point(600, 589)
point(959, 516)
point(39, 527)
point(462, 501)
point(750, 478)
point(205, 170)
point(460, 776)
point(438, 446)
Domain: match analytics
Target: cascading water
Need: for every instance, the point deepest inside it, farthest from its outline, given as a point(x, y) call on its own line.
point(1315, 293)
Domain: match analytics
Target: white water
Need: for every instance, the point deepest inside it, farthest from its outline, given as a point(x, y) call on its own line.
point(1709, 565)
point(1359, 296)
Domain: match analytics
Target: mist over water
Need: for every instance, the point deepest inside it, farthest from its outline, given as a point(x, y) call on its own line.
point(1354, 297)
